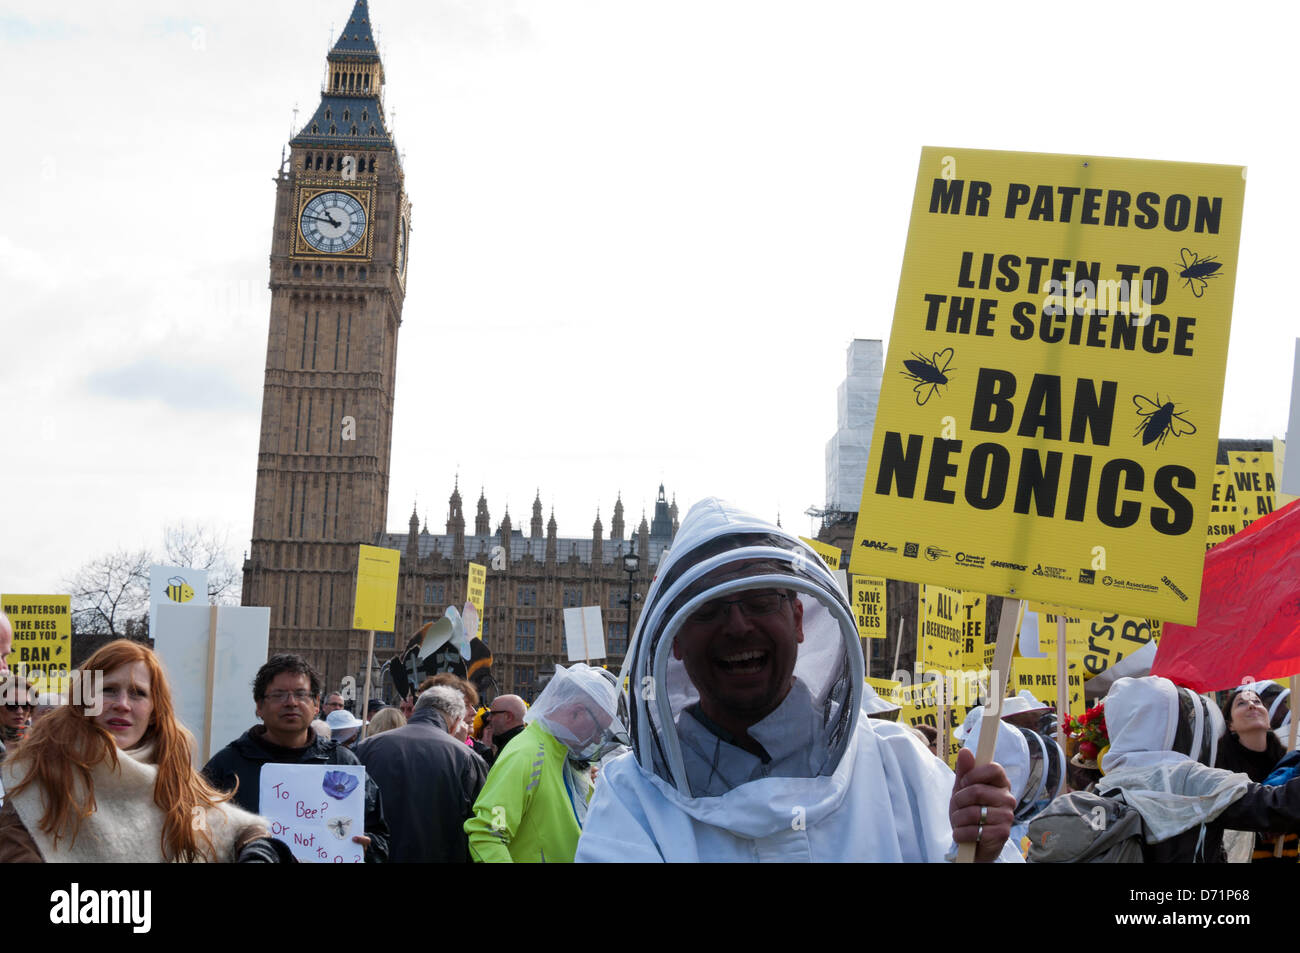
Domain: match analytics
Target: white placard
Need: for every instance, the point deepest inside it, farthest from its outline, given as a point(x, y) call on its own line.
point(181, 641)
point(1029, 647)
point(316, 809)
point(584, 637)
point(842, 577)
point(1291, 475)
point(175, 585)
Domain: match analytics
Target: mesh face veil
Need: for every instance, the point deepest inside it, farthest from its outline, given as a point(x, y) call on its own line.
point(720, 553)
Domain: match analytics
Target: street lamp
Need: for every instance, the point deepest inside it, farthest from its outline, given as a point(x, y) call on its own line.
point(631, 564)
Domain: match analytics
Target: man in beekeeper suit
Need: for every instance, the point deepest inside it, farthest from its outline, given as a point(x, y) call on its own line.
point(748, 738)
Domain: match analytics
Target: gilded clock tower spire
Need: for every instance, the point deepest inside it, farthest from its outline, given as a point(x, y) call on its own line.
point(338, 281)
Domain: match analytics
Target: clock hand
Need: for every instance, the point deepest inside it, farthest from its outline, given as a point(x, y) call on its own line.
point(317, 218)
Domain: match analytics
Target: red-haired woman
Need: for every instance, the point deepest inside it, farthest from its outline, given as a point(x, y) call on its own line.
point(118, 785)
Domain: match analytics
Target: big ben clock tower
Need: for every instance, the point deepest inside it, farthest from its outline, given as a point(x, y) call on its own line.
point(338, 280)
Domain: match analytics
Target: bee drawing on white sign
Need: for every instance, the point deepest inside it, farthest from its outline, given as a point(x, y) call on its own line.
point(1160, 420)
point(928, 373)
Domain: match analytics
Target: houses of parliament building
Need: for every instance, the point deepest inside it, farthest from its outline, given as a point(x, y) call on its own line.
point(341, 234)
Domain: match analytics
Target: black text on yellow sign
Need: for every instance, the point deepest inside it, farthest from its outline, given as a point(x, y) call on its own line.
point(1054, 380)
point(869, 608)
point(42, 649)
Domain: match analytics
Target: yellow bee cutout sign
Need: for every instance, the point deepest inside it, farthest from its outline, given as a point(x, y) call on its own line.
point(1050, 406)
point(178, 590)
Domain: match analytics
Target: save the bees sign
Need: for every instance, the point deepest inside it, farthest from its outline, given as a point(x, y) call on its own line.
point(1049, 414)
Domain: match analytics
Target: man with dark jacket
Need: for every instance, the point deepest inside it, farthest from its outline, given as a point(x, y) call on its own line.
point(505, 719)
point(432, 780)
point(287, 690)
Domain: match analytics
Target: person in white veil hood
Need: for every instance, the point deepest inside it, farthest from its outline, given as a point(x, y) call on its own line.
point(748, 738)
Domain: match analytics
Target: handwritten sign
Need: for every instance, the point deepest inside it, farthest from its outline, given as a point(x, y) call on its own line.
point(316, 809)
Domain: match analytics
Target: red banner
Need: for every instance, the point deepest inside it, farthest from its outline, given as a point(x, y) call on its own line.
point(1248, 626)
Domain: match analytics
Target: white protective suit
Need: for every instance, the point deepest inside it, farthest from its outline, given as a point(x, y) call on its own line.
point(837, 785)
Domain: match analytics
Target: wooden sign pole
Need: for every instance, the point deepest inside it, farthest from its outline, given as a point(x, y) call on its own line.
point(365, 696)
point(212, 678)
point(1062, 681)
point(997, 691)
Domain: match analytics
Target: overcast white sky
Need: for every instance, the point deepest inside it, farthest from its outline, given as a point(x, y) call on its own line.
point(644, 233)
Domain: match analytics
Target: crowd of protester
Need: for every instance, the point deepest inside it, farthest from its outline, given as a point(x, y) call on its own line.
point(740, 729)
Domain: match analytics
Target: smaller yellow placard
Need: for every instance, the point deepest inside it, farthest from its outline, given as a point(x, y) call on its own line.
point(869, 606)
point(830, 555)
point(376, 597)
point(888, 689)
point(42, 649)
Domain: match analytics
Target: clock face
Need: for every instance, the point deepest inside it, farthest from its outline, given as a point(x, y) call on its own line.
point(333, 222)
point(401, 248)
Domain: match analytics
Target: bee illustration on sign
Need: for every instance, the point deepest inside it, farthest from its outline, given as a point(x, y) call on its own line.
point(1196, 271)
point(928, 373)
point(1160, 420)
point(178, 590)
point(340, 826)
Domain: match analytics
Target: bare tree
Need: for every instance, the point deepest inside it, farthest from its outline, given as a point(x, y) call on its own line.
point(110, 594)
point(110, 591)
point(205, 548)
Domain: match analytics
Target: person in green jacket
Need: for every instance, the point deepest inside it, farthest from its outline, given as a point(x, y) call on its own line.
point(535, 800)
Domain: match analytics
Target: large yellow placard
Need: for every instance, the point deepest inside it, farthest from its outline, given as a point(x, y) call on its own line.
point(376, 597)
point(1050, 406)
point(42, 649)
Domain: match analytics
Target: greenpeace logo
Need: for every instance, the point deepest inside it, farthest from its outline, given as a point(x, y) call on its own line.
point(877, 544)
point(77, 906)
point(1088, 576)
point(1176, 591)
point(1051, 572)
point(934, 553)
point(911, 550)
point(969, 559)
point(999, 564)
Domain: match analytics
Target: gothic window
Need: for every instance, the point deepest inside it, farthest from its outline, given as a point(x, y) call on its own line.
point(329, 114)
point(365, 115)
point(334, 130)
point(433, 593)
point(329, 163)
point(318, 158)
point(319, 271)
point(572, 596)
point(383, 640)
point(526, 596)
point(297, 271)
point(372, 163)
point(315, 129)
point(347, 115)
point(615, 599)
point(617, 639)
point(354, 129)
point(362, 274)
point(526, 635)
point(307, 164)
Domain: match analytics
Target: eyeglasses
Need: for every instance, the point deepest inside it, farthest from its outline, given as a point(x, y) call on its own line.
point(20, 706)
point(278, 697)
point(752, 605)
